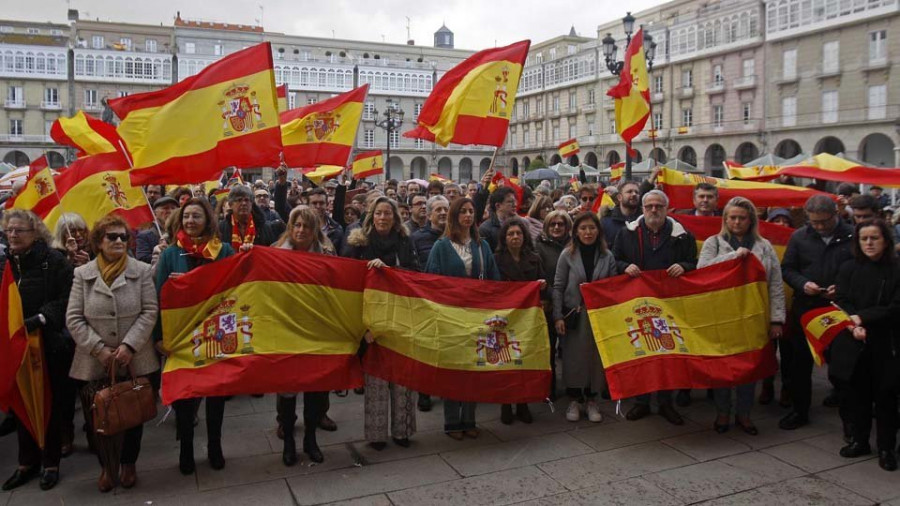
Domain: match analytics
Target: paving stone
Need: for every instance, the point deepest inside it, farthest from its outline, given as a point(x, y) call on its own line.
point(765, 466)
point(631, 492)
point(372, 500)
point(4, 498)
point(617, 435)
point(706, 480)
point(613, 465)
point(707, 445)
point(368, 480)
point(423, 443)
point(804, 491)
point(866, 479)
point(271, 492)
point(544, 423)
point(511, 454)
point(770, 435)
point(505, 487)
point(348, 432)
point(807, 457)
point(84, 492)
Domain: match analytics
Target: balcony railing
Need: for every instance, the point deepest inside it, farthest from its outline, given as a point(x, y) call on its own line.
point(686, 92)
point(51, 106)
point(25, 138)
point(656, 97)
point(745, 83)
point(91, 106)
point(717, 86)
point(589, 107)
point(14, 104)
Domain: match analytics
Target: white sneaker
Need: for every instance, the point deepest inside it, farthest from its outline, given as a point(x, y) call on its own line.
point(573, 413)
point(593, 412)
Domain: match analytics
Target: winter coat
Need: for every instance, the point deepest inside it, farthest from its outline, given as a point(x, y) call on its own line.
point(535, 227)
point(615, 222)
point(101, 316)
point(490, 231)
point(717, 249)
point(445, 261)
point(145, 241)
point(360, 247)
point(570, 275)
point(266, 233)
point(423, 240)
point(808, 258)
point(632, 246)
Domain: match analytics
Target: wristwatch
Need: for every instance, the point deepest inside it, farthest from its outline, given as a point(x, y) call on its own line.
point(42, 318)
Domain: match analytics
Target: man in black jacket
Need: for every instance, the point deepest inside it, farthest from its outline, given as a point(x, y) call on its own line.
point(240, 200)
point(503, 207)
point(810, 266)
point(628, 210)
point(654, 242)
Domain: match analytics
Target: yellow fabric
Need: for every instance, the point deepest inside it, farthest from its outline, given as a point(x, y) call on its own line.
point(98, 195)
point(745, 172)
point(739, 323)
point(676, 177)
point(322, 172)
point(109, 271)
point(446, 337)
point(631, 109)
point(568, 149)
point(193, 122)
point(346, 117)
point(29, 376)
point(607, 201)
point(78, 129)
point(368, 163)
point(39, 187)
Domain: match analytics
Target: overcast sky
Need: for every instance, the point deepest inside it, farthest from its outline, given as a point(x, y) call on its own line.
point(476, 24)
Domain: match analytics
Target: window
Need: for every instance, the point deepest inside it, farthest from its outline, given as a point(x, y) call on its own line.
point(687, 78)
point(592, 96)
point(56, 33)
point(539, 58)
point(555, 103)
point(369, 138)
point(877, 102)
point(97, 42)
point(312, 100)
point(15, 127)
point(612, 126)
point(591, 127)
point(789, 64)
point(657, 120)
point(90, 98)
point(718, 116)
point(573, 130)
point(15, 96)
point(190, 48)
point(789, 111)
point(746, 111)
point(573, 100)
point(717, 74)
point(218, 49)
point(540, 106)
point(369, 110)
point(121, 94)
point(555, 133)
point(749, 67)
point(150, 45)
point(830, 106)
point(33, 31)
point(420, 143)
point(48, 125)
point(552, 53)
point(830, 55)
point(6, 29)
point(571, 49)
point(51, 96)
point(878, 46)
point(395, 138)
point(658, 84)
point(292, 100)
point(687, 117)
point(126, 43)
point(418, 109)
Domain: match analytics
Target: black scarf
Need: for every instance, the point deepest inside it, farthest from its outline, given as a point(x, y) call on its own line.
point(747, 242)
point(385, 248)
point(588, 253)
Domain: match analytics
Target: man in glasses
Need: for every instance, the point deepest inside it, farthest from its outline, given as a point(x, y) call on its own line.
point(502, 207)
point(627, 210)
point(655, 242)
point(418, 216)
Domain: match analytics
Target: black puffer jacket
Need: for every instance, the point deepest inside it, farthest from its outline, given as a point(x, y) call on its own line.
point(45, 280)
point(808, 258)
point(872, 291)
point(423, 240)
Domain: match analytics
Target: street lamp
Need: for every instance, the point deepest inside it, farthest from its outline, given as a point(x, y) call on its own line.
point(615, 66)
point(393, 118)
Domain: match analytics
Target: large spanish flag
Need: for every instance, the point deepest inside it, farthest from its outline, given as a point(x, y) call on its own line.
point(39, 195)
point(270, 320)
point(659, 333)
point(679, 186)
point(821, 326)
point(323, 133)
point(226, 115)
point(368, 164)
point(703, 227)
point(473, 102)
point(834, 168)
point(24, 386)
point(569, 148)
point(87, 134)
point(281, 93)
point(632, 93)
point(461, 339)
point(752, 173)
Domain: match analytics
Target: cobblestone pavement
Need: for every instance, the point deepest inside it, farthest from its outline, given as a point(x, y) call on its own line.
point(551, 461)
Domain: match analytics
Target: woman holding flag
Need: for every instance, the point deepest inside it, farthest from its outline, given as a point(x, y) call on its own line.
point(196, 243)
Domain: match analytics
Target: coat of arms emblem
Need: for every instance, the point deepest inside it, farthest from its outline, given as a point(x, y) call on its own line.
point(499, 103)
point(114, 190)
point(321, 126)
point(498, 345)
point(240, 110)
point(43, 185)
point(222, 332)
point(650, 331)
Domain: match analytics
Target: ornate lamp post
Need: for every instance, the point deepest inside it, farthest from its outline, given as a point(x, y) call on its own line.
point(393, 119)
point(615, 66)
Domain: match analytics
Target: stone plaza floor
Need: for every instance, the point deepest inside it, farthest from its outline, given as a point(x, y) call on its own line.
point(551, 461)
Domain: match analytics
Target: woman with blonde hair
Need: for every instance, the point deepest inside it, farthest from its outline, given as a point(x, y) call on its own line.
point(71, 239)
point(738, 238)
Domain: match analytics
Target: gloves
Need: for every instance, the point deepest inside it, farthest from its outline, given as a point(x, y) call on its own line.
point(32, 324)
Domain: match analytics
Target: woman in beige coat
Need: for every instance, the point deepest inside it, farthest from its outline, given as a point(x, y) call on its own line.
point(111, 314)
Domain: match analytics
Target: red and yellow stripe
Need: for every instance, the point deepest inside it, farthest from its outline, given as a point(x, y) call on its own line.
point(569, 148)
point(39, 195)
point(632, 93)
point(368, 164)
point(87, 134)
point(658, 333)
point(281, 94)
point(432, 334)
point(821, 326)
point(227, 115)
point(832, 168)
point(323, 133)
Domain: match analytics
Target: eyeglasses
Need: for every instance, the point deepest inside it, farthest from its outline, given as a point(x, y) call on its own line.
point(17, 231)
point(112, 236)
point(654, 206)
point(557, 224)
point(585, 199)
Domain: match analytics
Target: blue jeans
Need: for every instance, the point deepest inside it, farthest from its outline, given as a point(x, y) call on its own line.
point(662, 397)
point(745, 394)
point(458, 415)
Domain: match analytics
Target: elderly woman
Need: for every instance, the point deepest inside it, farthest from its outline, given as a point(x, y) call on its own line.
point(384, 242)
point(539, 210)
point(586, 259)
point(556, 235)
point(461, 253)
point(44, 278)
point(194, 243)
point(304, 233)
point(71, 239)
point(738, 238)
point(112, 311)
point(517, 261)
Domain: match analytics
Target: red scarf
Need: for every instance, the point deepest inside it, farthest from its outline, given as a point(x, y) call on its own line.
point(208, 249)
point(236, 239)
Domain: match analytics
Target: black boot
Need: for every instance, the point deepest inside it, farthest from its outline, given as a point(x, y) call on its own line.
point(506, 414)
point(186, 456)
point(214, 453)
point(287, 416)
point(8, 426)
point(184, 423)
point(311, 447)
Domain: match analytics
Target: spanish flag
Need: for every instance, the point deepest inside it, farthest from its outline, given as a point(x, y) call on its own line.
point(367, 164)
point(602, 200)
point(226, 115)
point(461, 339)
point(87, 134)
point(754, 173)
point(323, 133)
point(632, 93)
point(821, 326)
point(679, 186)
point(473, 102)
point(269, 320)
point(833, 168)
point(323, 172)
point(38, 165)
point(616, 172)
point(281, 93)
point(24, 386)
point(439, 178)
point(569, 148)
point(704, 227)
point(658, 333)
point(39, 195)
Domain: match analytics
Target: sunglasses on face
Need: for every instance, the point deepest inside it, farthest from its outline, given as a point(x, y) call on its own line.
point(111, 237)
point(557, 224)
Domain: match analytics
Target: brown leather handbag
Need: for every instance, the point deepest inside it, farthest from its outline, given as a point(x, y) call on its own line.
point(123, 405)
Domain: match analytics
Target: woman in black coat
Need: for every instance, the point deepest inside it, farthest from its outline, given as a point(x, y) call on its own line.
point(868, 289)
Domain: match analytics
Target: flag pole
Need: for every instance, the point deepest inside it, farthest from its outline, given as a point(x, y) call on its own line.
point(143, 190)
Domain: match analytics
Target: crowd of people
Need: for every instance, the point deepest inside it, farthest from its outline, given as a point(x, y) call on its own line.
point(92, 290)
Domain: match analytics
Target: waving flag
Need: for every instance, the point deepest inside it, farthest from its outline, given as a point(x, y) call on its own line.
point(38, 165)
point(632, 93)
point(323, 133)
point(616, 172)
point(226, 115)
point(473, 102)
point(87, 134)
point(39, 195)
point(658, 333)
point(834, 168)
point(679, 187)
point(367, 164)
point(281, 93)
point(569, 148)
point(821, 326)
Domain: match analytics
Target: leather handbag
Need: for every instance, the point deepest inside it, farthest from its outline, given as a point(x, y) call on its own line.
point(123, 405)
